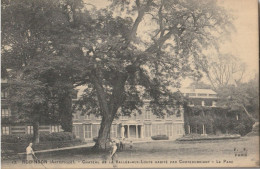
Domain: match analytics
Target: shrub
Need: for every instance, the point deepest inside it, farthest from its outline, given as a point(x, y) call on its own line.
point(160, 137)
point(57, 136)
point(240, 129)
point(18, 143)
point(44, 137)
point(24, 138)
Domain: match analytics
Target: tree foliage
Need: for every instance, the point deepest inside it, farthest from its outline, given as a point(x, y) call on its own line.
point(120, 59)
point(243, 97)
point(40, 71)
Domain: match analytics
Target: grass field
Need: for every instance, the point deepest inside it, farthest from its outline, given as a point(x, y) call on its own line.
point(218, 153)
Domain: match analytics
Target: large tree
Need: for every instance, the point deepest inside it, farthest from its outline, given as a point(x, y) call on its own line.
point(41, 76)
point(125, 54)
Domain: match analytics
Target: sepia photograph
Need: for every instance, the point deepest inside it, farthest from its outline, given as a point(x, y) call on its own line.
point(129, 84)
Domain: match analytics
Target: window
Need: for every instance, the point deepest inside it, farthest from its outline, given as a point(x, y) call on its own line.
point(87, 117)
point(113, 131)
point(76, 130)
point(147, 115)
point(29, 129)
point(159, 129)
point(4, 94)
point(95, 130)
point(136, 116)
point(213, 95)
point(54, 128)
point(5, 112)
point(191, 94)
point(178, 113)
point(214, 103)
point(76, 116)
point(169, 130)
point(202, 103)
point(124, 117)
point(202, 94)
point(147, 130)
point(191, 103)
point(179, 129)
point(87, 130)
point(5, 130)
point(99, 118)
point(98, 128)
point(169, 116)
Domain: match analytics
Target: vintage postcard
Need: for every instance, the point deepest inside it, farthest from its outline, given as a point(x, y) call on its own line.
point(129, 84)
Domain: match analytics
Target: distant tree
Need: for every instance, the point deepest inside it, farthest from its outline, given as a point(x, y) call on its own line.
point(244, 96)
point(223, 70)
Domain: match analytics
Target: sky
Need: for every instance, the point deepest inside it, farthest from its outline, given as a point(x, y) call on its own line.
point(244, 41)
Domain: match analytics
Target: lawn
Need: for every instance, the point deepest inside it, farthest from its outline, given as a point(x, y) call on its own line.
point(234, 152)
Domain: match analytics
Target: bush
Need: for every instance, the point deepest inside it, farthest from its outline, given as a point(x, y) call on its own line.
point(18, 143)
point(57, 136)
point(160, 137)
point(44, 137)
point(240, 129)
point(24, 138)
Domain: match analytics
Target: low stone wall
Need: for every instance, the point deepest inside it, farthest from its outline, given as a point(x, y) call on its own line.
point(197, 138)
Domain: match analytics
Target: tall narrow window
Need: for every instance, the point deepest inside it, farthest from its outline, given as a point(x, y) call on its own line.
point(76, 130)
point(5, 112)
point(88, 132)
point(54, 128)
point(147, 130)
point(169, 130)
point(124, 117)
point(113, 131)
point(76, 116)
point(87, 117)
point(5, 130)
point(29, 129)
point(179, 129)
point(4, 94)
point(147, 115)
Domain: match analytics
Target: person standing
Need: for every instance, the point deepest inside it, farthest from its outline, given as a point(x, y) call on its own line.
point(113, 151)
point(131, 145)
point(122, 142)
point(29, 152)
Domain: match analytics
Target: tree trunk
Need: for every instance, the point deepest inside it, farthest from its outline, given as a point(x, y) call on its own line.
point(65, 107)
point(36, 137)
point(249, 115)
point(108, 108)
point(104, 133)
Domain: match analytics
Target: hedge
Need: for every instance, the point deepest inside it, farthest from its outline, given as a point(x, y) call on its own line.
point(160, 137)
point(13, 144)
point(26, 138)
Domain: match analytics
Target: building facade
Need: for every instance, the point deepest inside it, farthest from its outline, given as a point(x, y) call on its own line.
point(9, 127)
point(200, 97)
point(136, 126)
